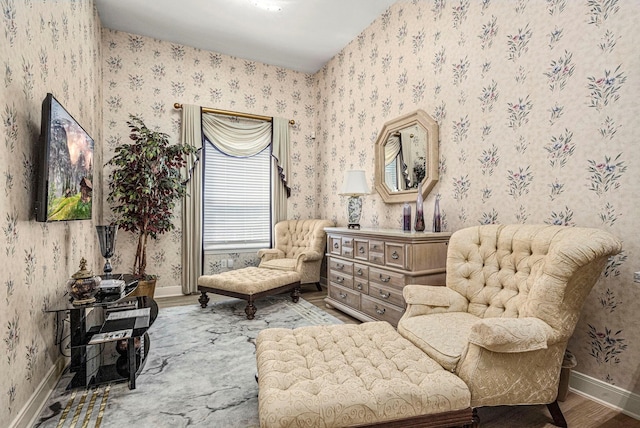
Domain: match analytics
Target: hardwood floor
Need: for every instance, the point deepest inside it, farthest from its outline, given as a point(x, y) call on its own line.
point(579, 411)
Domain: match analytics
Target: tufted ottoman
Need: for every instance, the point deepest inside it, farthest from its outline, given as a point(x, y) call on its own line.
point(353, 375)
point(249, 284)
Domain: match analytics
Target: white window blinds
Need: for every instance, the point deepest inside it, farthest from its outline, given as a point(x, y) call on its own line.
point(236, 201)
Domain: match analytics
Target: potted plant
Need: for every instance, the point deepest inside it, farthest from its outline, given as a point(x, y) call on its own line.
point(144, 186)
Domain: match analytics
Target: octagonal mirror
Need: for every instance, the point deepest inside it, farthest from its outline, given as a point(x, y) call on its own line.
point(406, 155)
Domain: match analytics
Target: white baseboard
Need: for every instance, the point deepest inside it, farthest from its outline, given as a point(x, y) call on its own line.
point(609, 395)
point(174, 291)
point(27, 416)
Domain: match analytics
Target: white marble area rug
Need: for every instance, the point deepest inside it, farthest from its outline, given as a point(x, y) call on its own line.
point(200, 371)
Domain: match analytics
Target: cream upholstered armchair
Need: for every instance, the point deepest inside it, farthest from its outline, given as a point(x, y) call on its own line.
point(299, 245)
point(512, 299)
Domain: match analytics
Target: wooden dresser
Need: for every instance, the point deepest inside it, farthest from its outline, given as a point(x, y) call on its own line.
point(368, 268)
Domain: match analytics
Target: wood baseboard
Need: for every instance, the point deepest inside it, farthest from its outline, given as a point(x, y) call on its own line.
point(27, 416)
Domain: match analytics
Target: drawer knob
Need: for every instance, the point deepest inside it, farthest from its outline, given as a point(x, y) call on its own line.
point(361, 250)
point(336, 245)
point(395, 255)
point(340, 266)
point(379, 311)
point(343, 295)
point(359, 286)
point(383, 279)
point(359, 272)
point(384, 295)
point(339, 279)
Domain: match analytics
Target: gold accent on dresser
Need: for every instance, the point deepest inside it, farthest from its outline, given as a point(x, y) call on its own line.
point(368, 268)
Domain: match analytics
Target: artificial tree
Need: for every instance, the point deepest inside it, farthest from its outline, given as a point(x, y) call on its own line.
point(145, 184)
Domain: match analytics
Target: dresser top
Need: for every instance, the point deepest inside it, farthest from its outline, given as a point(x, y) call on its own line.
point(390, 233)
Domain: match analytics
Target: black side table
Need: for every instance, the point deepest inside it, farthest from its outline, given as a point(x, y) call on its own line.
point(88, 362)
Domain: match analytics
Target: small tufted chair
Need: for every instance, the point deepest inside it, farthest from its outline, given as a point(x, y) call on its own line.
point(299, 245)
point(512, 299)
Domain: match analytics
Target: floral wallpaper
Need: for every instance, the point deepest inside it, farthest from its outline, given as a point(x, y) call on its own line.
point(536, 102)
point(51, 46)
point(145, 77)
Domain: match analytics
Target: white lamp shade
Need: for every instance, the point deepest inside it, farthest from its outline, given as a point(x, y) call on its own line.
point(355, 183)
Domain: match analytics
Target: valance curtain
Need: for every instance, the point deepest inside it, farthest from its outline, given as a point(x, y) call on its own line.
point(240, 139)
point(391, 149)
point(393, 152)
point(192, 205)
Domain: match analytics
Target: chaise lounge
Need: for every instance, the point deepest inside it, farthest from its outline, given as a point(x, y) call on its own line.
point(494, 335)
point(295, 260)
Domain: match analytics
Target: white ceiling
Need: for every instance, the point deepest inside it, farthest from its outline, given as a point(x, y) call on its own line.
point(302, 35)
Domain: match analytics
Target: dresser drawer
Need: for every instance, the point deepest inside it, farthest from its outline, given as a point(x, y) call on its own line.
point(376, 246)
point(361, 285)
point(360, 271)
point(361, 249)
point(341, 279)
point(344, 296)
point(384, 277)
point(335, 245)
point(386, 294)
point(338, 265)
point(347, 252)
point(376, 258)
point(394, 255)
point(381, 310)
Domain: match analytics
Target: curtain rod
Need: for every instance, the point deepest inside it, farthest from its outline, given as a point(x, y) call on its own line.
point(178, 106)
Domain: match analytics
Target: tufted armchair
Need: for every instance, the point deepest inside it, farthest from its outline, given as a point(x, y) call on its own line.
point(512, 299)
point(299, 245)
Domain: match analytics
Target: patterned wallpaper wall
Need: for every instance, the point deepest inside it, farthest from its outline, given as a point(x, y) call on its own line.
point(145, 77)
point(536, 101)
point(537, 106)
point(51, 46)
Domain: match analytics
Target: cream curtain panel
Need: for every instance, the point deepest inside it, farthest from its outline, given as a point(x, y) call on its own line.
point(407, 156)
point(239, 139)
point(192, 204)
point(280, 171)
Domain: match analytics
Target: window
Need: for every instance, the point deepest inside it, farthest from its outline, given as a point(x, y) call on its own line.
point(236, 201)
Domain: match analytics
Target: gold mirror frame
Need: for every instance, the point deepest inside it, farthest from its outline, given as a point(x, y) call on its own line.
point(430, 126)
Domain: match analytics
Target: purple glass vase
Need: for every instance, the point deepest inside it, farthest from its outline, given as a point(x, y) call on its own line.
point(419, 227)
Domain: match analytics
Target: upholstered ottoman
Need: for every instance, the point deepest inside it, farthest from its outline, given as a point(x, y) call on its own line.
point(352, 375)
point(249, 284)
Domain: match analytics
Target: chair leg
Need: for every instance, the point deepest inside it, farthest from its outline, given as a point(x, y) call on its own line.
point(203, 299)
point(295, 294)
point(318, 286)
point(475, 420)
point(556, 414)
point(250, 309)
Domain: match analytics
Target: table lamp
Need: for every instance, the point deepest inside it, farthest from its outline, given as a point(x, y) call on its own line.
point(355, 185)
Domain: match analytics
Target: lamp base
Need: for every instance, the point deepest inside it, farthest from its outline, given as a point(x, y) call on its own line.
point(354, 209)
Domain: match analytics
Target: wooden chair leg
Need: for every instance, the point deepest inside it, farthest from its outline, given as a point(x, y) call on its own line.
point(475, 420)
point(250, 310)
point(318, 286)
point(295, 294)
point(556, 414)
point(203, 299)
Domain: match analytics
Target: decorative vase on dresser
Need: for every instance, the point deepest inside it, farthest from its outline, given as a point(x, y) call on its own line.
point(368, 268)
